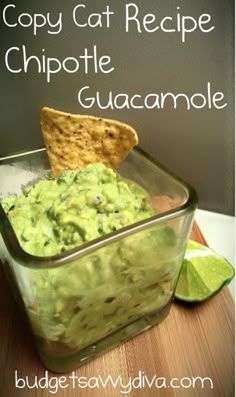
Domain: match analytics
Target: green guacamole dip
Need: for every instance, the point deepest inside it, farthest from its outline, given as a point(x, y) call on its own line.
point(55, 215)
point(73, 306)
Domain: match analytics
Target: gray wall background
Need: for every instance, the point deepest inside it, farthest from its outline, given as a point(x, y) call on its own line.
point(198, 145)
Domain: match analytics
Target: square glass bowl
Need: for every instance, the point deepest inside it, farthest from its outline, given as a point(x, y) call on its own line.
point(87, 300)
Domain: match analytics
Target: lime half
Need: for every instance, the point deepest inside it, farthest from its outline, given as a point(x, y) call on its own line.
point(203, 273)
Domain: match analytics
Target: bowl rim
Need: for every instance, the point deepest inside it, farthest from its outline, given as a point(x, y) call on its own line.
point(39, 262)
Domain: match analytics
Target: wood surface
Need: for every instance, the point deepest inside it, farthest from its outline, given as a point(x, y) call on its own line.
point(194, 340)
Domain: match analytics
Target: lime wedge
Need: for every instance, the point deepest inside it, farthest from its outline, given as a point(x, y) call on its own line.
point(203, 273)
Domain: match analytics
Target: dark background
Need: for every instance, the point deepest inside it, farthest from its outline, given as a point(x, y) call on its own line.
point(198, 145)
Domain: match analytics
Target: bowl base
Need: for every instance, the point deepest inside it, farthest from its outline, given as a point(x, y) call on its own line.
point(61, 362)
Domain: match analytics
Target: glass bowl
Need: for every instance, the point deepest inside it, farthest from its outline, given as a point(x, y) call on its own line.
point(87, 300)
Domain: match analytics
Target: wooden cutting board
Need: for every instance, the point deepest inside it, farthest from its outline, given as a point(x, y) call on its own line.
point(195, 340)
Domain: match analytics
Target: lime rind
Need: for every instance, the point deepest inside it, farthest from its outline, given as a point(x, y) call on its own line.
point(204, 273)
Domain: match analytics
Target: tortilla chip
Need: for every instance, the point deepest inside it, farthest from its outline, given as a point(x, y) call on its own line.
point(73, 141)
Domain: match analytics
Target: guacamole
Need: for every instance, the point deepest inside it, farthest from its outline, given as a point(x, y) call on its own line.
point(74, 306)
point(56, 215)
